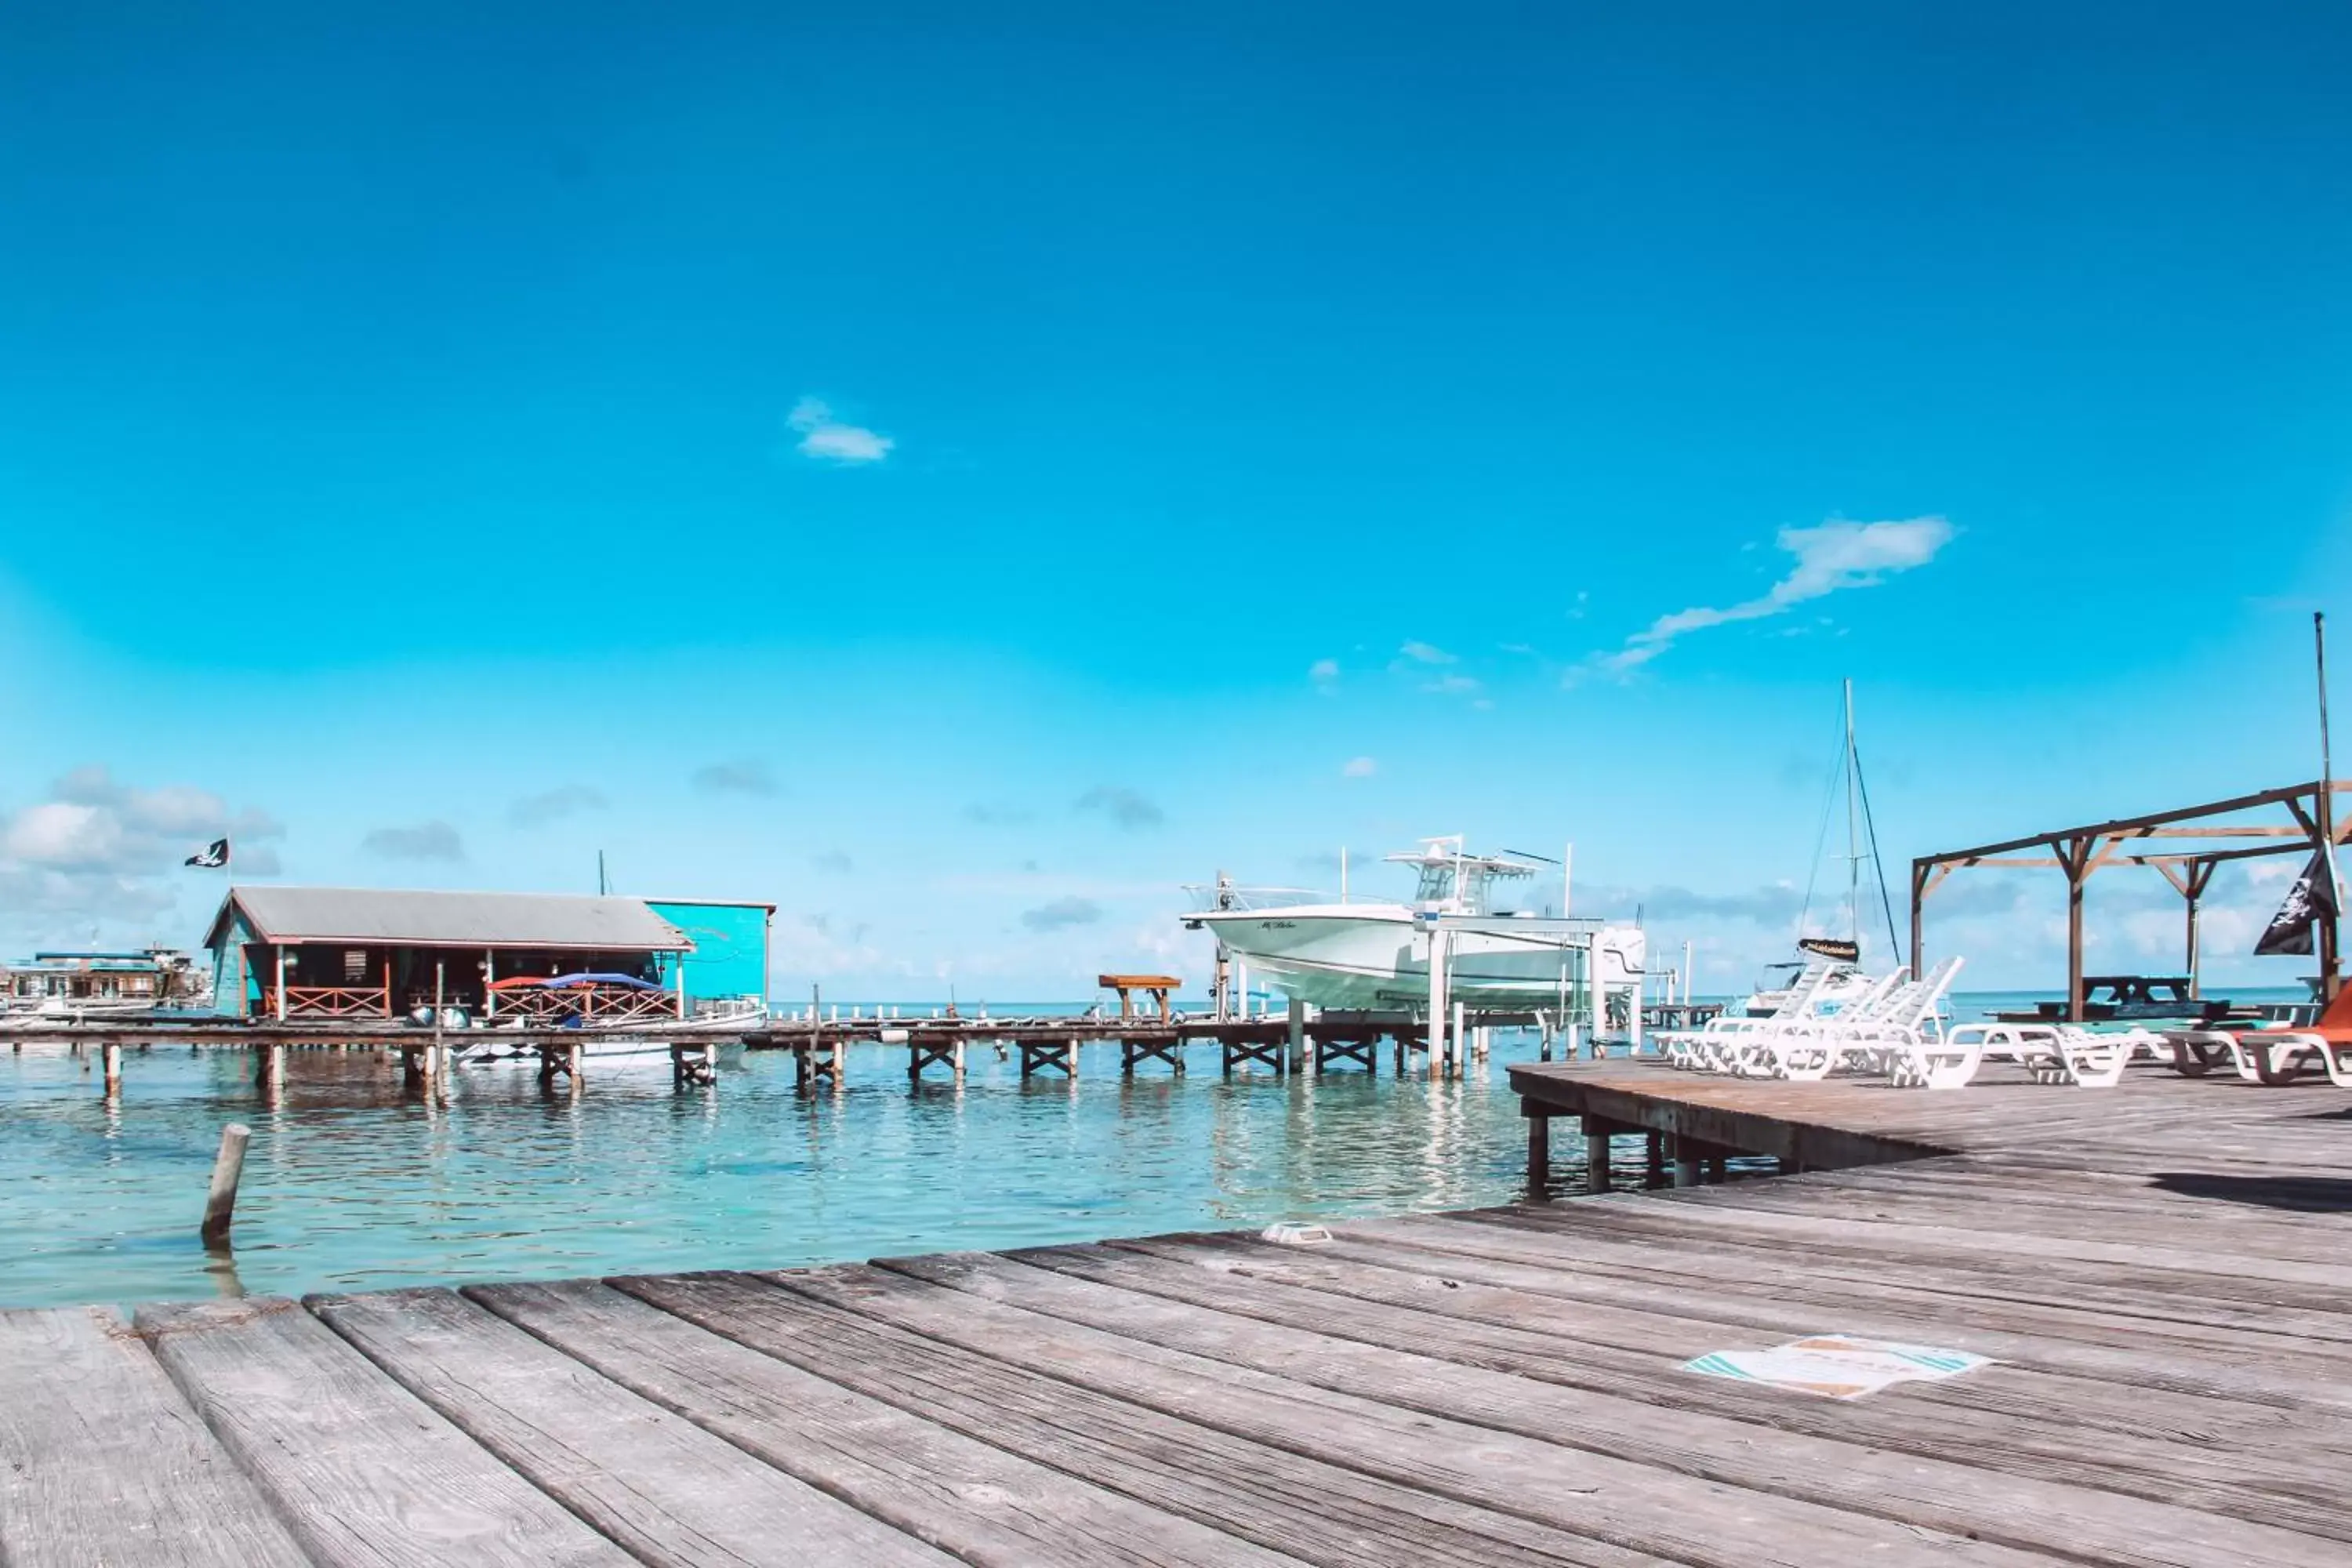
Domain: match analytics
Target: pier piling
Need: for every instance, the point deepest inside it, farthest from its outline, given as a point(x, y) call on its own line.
point(228, 1169)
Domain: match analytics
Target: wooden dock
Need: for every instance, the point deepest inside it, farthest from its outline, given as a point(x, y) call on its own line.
point(2160, 1270)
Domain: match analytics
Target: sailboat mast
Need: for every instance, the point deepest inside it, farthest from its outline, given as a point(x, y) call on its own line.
point(1853, 838)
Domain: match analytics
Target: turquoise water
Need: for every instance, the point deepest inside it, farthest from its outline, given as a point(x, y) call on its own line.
point(350, 1182)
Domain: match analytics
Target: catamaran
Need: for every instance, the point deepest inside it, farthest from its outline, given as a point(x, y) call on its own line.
point(1375, 956)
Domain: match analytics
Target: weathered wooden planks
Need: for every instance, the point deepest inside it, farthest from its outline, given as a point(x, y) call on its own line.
point(655, 1484)
point(362, 1470)
point(1963, 1483)
point(1646, 1509)
point(968, 1497)
point(1273, 1496)
point(102, 1462)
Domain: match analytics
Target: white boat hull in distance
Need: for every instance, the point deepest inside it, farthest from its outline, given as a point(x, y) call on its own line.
point(1373, 957)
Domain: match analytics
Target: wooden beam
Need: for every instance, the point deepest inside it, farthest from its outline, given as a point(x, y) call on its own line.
point(2130, 824)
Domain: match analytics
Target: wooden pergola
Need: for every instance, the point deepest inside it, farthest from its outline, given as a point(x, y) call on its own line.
point(2195, 842)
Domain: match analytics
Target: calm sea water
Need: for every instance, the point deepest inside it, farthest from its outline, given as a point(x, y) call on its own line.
point(353, 1184)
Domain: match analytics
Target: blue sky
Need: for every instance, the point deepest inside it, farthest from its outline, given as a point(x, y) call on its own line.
point(960, 474)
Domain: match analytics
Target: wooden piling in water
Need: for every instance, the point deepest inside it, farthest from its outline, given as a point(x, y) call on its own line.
point(228, 1169)
point(111, 1054)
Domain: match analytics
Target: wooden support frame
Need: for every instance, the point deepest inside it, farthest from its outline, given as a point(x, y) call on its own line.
point(1254, 1049)
point(1134, 1049)
point(1055, 1051)
point(941, 1050)
point(2205, 843)
point(1361, 1047)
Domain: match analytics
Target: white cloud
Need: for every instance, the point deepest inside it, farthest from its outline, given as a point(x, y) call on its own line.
point(97, 850)
point(1061, 914)
point(1424, 653)
point(1359, 768)
point(825, 437)
point(1324, 673)
point(1830, 557)
point(1453, 685)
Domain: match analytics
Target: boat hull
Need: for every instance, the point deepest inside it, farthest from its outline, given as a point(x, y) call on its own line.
point(1373, 957)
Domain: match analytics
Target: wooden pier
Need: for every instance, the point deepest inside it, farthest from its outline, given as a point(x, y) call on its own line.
point(2160, 1272)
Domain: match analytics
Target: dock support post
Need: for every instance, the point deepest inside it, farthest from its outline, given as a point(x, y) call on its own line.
point(111, 1055)
point(273, 1072)
point(1687, 1165)
point(1295, 1058)
point(1597, 1131)
point(228, 1169)
point(1538, 1146)
point(1437, 1001)
point(1654, 1157)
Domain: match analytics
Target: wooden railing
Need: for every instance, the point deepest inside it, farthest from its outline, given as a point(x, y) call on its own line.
point(329, 1002)
point(591, 1005)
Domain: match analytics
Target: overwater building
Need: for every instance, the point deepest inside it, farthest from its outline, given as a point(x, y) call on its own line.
point(363, 953)
point(108, 981)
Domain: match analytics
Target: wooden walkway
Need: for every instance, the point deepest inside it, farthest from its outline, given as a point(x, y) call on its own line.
point(2161, 1271)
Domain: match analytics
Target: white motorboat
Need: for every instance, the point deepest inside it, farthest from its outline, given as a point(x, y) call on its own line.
point(1375, 956)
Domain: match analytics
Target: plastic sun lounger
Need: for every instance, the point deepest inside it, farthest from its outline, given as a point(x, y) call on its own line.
point(1699, 1048)
point(1737, 1050)
point(2275, 1056)
point(1894, 1012)
point(2060, 1053)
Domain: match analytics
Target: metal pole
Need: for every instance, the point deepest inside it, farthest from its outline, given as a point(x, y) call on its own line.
point(2325, 816)
point(1852, 842)
point(1436, 997)
point(1343, 873)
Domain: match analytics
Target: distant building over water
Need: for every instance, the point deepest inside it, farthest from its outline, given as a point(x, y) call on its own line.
point(102, 981)
point(362, 952)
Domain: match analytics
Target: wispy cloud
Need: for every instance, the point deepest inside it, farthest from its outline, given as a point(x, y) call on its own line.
point(834, 861)
point(425, 841)
point(1453, 685)
point(833, 440)
point(1359, 768)
point(744, 775)
point(1828, 558)
point(554, 805)
point(1426, 653)
point(1062, 913)
point(1124, 807)
point(986, 813)
point(1324, 673)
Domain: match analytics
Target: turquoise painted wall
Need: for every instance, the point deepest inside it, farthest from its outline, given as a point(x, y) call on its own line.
point(236, 993)
point(730, 948)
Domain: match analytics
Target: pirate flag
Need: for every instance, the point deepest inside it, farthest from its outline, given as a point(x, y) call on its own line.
point(2309, 902)
point(211, 856)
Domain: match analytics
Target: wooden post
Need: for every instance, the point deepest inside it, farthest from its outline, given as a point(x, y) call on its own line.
point(489, 983)
point(228, 1168)
point(1295, 1058)
point(1538, 1146)
point(111, 1054)
point(1596, 1153)
point(2074, 856)
point(1919, 873)
point(281, 951)
point(1687, 1165)
point(1653, 1160)
point(1458, 1061)
point(273, 1070)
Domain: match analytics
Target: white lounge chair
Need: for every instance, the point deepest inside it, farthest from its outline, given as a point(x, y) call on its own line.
point(2057, 1053)
point(1812, 1048)
point(1704, 1048)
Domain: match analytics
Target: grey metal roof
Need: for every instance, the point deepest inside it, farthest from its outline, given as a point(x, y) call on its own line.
point(603, 924)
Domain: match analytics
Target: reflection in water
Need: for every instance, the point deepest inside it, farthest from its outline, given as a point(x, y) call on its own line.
point(354, 1180)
